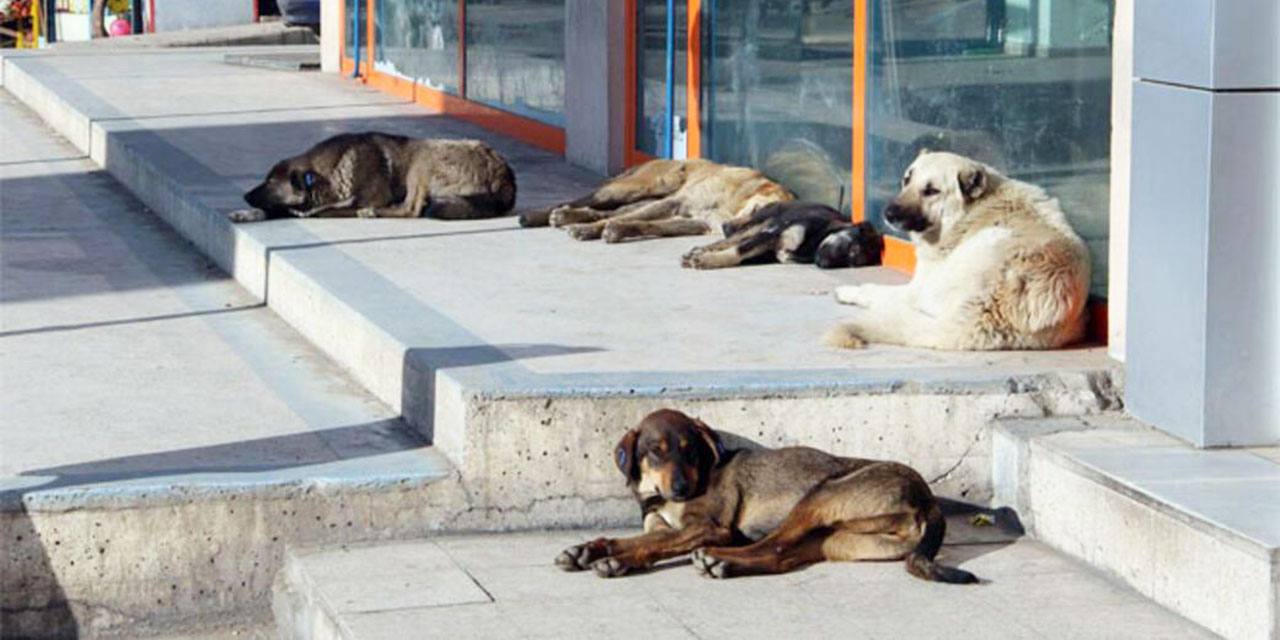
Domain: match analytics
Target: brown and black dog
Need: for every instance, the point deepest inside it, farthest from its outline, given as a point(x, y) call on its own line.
point(662, 198)
point(792, 232)
point(763, 511)
point(380, 175)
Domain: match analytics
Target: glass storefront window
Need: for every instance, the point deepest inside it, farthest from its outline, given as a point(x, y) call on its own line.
point(651, 77)
point(1023, 85)
point(515, 56)
point(418, 40)
point(777, 91)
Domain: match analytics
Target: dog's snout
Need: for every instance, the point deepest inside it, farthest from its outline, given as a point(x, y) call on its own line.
point(680, 487)
point(905, 218)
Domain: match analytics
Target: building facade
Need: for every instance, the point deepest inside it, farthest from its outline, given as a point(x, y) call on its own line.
point(1138, 119)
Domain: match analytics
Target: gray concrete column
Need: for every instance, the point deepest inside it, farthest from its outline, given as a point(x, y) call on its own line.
point(330, 44)
point(594, 84)
point(1203, 326)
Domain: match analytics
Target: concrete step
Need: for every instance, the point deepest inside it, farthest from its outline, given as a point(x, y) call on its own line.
point(163, 435)
point(1195, 530)
point(505, 586)
point(521, 354)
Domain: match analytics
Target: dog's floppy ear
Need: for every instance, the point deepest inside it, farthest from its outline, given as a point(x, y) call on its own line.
point(712, 439)
point(624, 455)
point(973, 182)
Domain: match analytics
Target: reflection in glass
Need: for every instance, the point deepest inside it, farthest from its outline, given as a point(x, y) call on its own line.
point(651, 76)
point(1023, 85)
point(515, 56)
point(418, 40)
point(777, 91)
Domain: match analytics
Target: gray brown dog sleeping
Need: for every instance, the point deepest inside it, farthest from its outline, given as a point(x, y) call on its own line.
point(763, 511)
point(379, 175)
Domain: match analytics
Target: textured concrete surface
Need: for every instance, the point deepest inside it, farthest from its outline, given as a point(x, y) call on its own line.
point(1196, 530)
point(507, 587)
point(164, 434)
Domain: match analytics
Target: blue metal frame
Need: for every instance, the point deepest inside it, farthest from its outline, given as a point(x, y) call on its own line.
point(668, 128)
point(355, 43)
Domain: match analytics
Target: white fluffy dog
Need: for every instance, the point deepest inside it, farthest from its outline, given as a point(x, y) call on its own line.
point(997, 266)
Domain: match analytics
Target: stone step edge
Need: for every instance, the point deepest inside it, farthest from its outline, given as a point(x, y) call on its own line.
point(1025, 438)
point(1206, 572)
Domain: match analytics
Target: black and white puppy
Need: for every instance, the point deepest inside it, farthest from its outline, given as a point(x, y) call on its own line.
point(792, 232)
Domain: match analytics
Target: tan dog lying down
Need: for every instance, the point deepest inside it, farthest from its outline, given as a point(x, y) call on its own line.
point(663, 198)
point(763, 511)
point(997, 266)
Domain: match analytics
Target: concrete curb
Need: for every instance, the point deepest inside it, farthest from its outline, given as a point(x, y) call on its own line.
point(1117, 521)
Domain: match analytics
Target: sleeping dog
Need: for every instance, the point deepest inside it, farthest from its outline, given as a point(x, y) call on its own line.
point(379, 175)
point(763, 511)
point(792, 232)
point(662, 198)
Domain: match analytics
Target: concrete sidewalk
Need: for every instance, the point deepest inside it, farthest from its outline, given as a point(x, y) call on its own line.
point(156, 416)
point(506, 587)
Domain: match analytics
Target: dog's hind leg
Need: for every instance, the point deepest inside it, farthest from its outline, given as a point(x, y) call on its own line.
point(731, 251)
point(415, 196)
point(649, 181)
point(871, 513)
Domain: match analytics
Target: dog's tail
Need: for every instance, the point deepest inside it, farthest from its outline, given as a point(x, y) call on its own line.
point(843, 337)
point(920, 561)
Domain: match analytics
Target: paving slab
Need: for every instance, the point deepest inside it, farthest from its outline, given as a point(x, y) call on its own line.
point(1029, 591)
point(1197, 530)
point(163, 433)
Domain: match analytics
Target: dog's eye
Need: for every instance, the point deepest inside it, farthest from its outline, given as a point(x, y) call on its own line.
point(929, 191)
point(906, 180)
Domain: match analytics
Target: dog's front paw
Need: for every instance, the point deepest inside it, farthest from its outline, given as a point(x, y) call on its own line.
point(609, 568)
point(583, 231)
point(366, 212)
point(560, 217)
point(247, 215)
point(613, 234)
point(692, 259)
point(710, 566)
point(852, 294)
point(575, 558)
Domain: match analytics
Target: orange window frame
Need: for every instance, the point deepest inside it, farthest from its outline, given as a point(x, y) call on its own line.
point(539, 134)
point(899, 254)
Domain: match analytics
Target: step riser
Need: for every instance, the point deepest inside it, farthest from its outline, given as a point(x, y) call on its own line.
point(298, 611)
point(193, 564)
point(1166, 560)
point(1169, 556)
point(524, 477)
